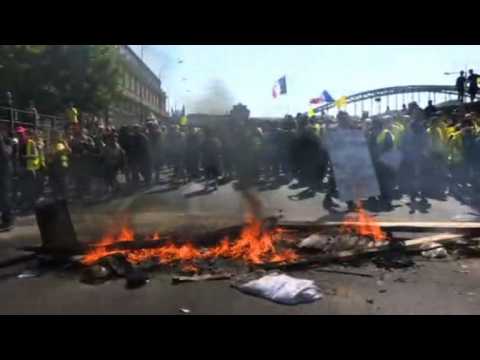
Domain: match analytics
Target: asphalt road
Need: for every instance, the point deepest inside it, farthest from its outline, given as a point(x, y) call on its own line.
point(432, 287)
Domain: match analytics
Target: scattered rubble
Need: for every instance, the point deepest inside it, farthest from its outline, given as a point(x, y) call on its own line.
point(95, 274)
point(434, 251)
point(136, 279)
point(393, 260)
point(28, 275)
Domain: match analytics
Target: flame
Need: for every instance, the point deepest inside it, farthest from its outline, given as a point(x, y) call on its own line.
point(100, 250)
point(361, 223)
point(97, 253)
point(190, 268)
point(254, 245)
point(126, 234)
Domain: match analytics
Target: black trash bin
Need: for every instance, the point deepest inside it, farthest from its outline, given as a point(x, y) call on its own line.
point(56, 228)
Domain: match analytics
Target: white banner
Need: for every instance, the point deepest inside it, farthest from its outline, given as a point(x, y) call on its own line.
point(353, 169)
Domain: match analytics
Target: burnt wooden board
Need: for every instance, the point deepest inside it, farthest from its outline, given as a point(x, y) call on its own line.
point(390, 225)
point(376, 247)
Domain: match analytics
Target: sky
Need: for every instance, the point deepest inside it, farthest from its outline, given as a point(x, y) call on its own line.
point(211, 78)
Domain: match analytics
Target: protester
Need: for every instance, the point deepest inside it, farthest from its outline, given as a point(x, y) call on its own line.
point(6, 174)
point(472, 85)
point(210, 156)
point(430, 110)
point(155, 137)
point(114, 161)
point(58, 166)
point(83, 148)
point(32, 114)
point(71, 113)
point(460, 86)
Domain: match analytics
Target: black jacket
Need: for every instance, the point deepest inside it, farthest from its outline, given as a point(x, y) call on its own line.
point(6, 151)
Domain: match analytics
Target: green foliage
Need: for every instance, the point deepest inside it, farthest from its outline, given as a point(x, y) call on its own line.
point(52, 75)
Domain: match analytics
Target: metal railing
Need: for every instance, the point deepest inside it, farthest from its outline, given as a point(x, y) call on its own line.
point(16, 117)
point(46, 123)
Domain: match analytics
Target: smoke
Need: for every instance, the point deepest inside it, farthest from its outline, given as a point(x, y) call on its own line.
point(217, 100)
point(166, 62)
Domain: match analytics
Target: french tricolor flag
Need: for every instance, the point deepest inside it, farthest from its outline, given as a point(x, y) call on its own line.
point(280, 87)
point(322, 99)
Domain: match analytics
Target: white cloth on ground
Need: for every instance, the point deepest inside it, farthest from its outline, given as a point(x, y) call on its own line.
point(282, 289)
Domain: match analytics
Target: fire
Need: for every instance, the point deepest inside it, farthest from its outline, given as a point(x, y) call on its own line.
point(100, 251)
point(361, 223)
point(190, 268)
point(126, 234)
point(254, 245)
point(155, 236)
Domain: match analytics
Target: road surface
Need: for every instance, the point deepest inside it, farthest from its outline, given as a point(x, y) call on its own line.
point(432, 287)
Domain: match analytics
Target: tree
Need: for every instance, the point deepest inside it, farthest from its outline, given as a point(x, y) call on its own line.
point(53, 75)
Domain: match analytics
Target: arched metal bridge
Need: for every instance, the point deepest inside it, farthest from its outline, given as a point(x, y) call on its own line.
point(396, 96)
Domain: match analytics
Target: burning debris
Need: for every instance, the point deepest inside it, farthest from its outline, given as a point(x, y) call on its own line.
point(254, 245)
point(260, 245)
point(363, 224)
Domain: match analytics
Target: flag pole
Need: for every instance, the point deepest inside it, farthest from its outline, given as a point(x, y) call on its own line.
point(287, 96)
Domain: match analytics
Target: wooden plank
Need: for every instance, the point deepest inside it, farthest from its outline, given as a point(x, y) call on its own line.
point(376, 247)
point(390, 225)
point(207, 277)
point(434, 238)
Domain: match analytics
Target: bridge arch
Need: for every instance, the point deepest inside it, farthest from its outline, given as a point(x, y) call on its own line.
point(406, 92)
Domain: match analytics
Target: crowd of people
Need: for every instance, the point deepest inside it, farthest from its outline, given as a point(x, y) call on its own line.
point(437, 150)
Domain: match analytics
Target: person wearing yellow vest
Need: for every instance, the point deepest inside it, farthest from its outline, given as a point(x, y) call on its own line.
point(436, 170)
point(416, 151)
point(29, 166)
point(398, 130)
point(58, 166)
point(42, 168)
point(383, 143)
point(71, 113)
point(469, 148)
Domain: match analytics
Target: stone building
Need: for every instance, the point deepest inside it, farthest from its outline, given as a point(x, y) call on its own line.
point(141, 89)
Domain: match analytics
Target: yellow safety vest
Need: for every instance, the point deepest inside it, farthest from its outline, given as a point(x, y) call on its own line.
point(439, 139)
point(398, 130)
point(456, 148)
point(72, 115)
point(382, 136)
point(41, 154)
point(61, 150)
point(33, 160)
